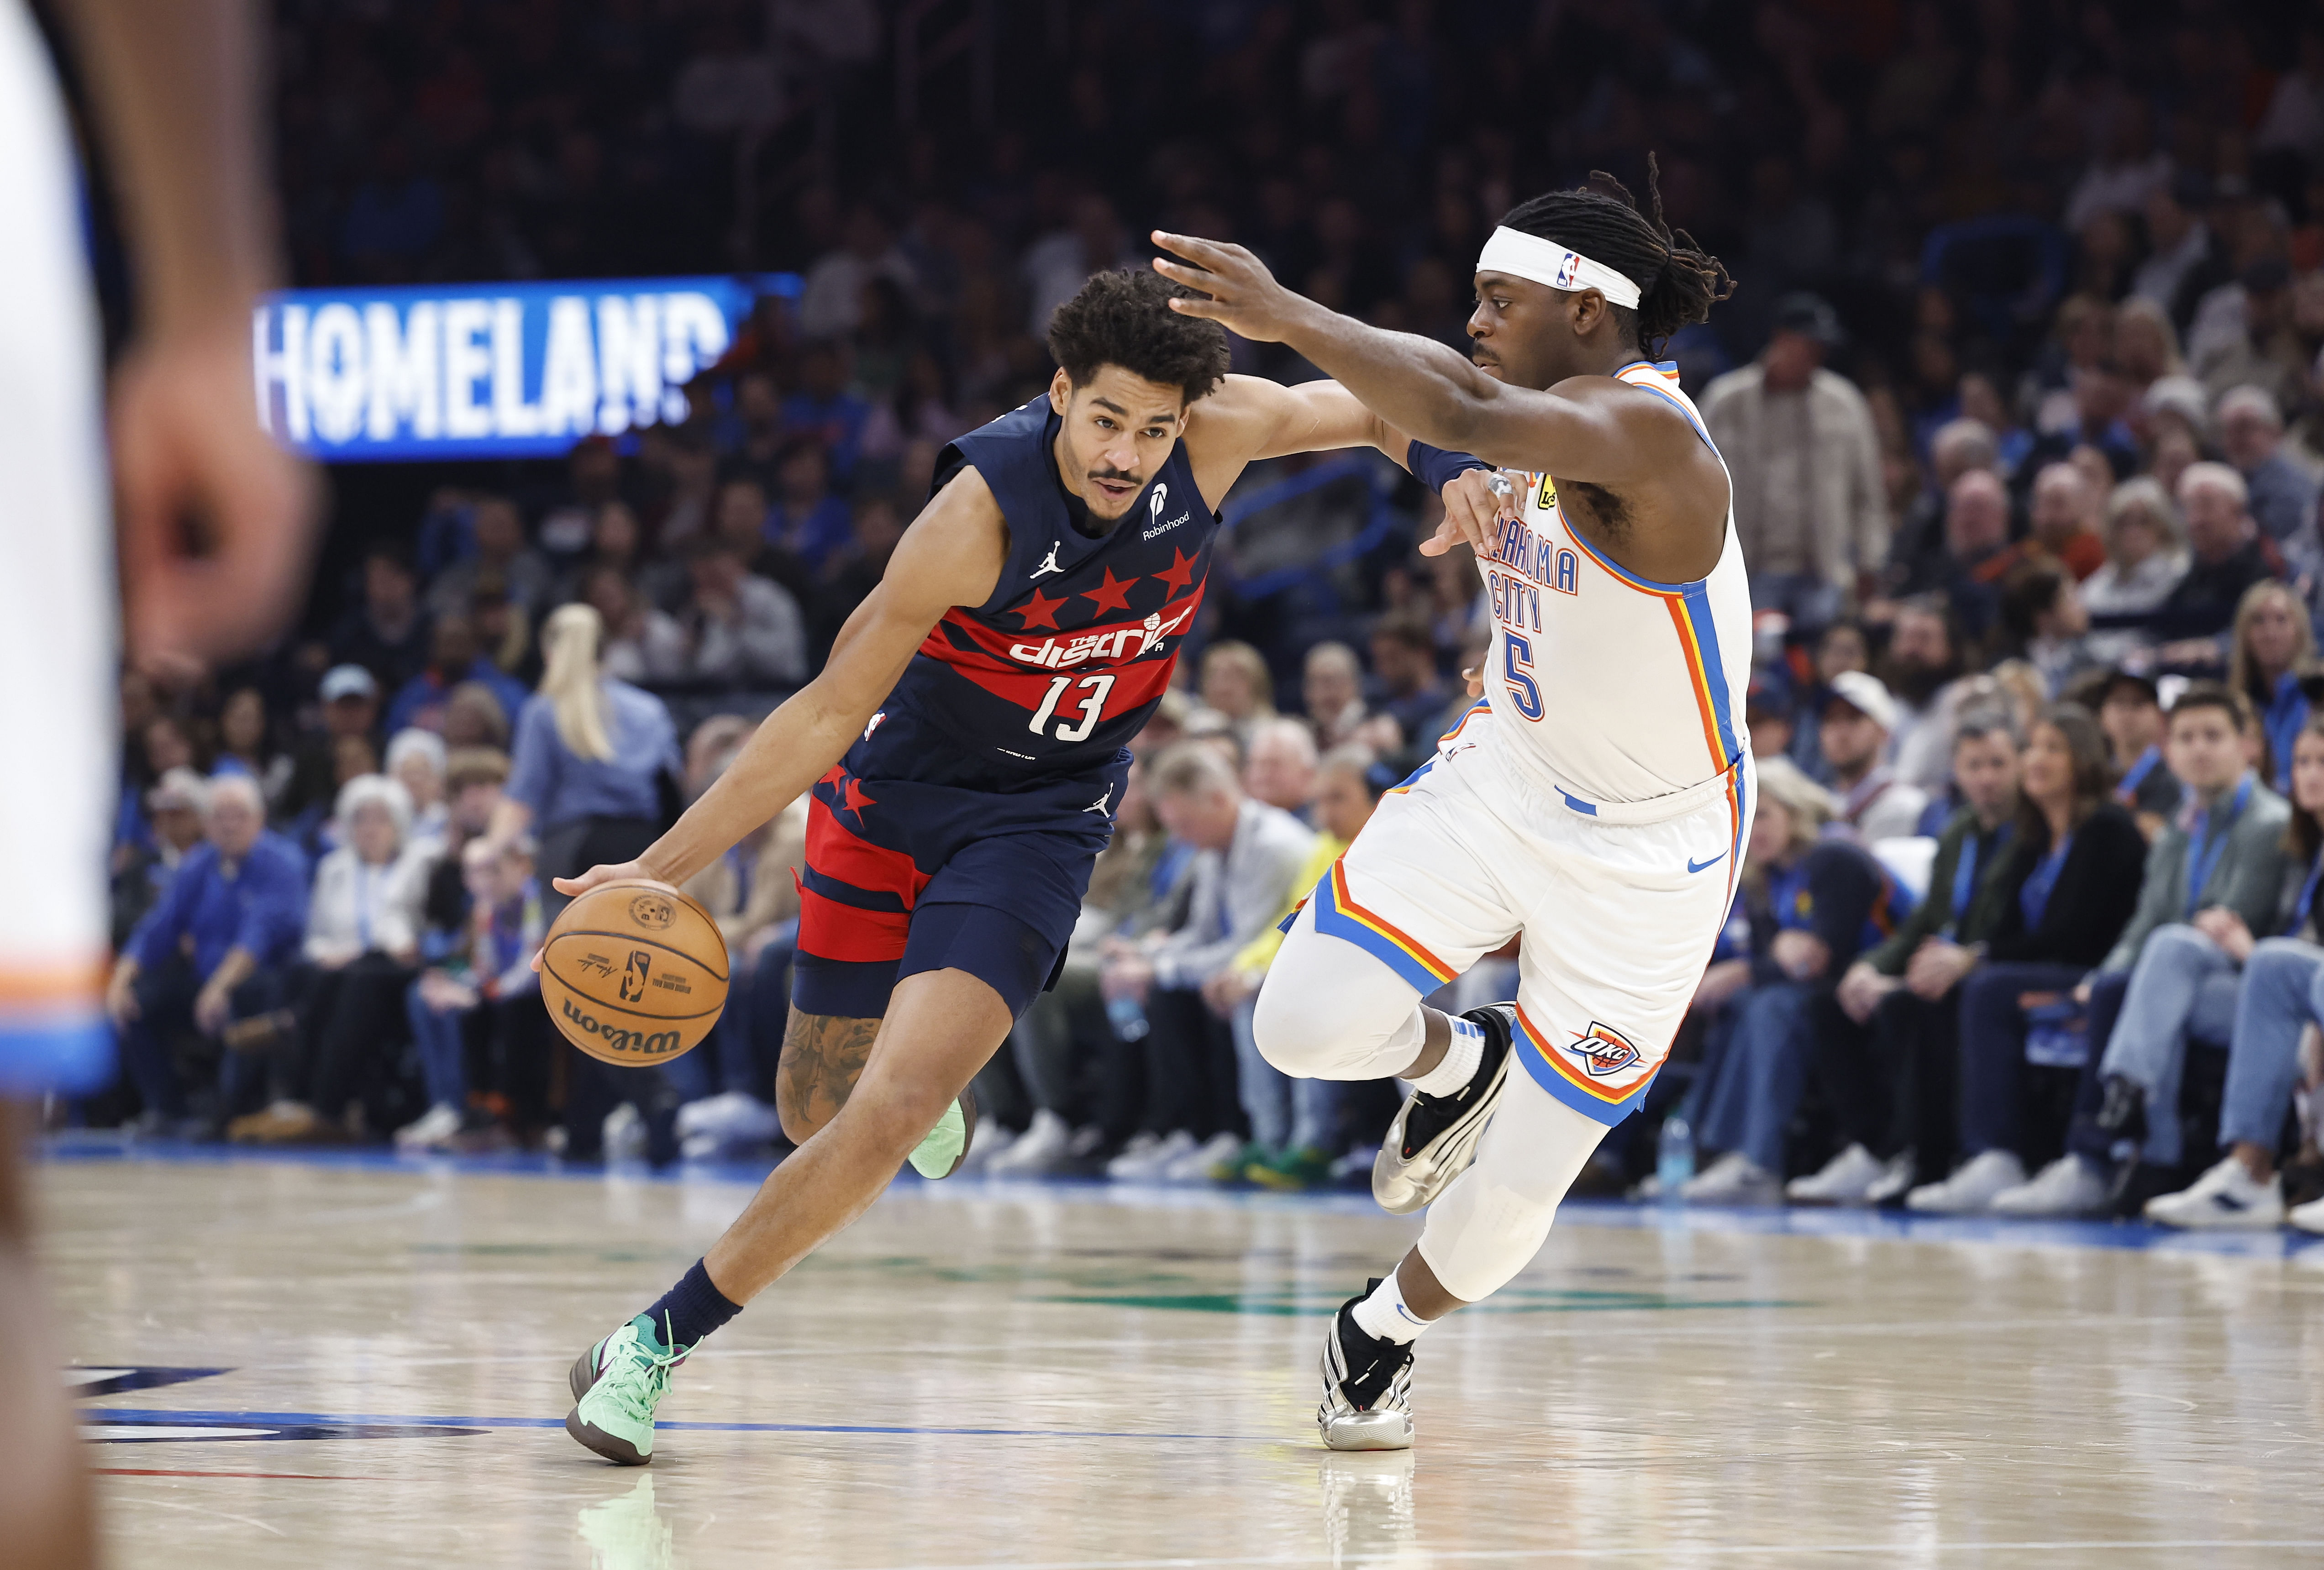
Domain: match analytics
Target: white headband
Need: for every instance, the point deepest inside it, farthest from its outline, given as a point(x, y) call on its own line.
point(1523, 256)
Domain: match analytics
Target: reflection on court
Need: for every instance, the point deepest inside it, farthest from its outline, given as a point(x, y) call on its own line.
point(353, 1362)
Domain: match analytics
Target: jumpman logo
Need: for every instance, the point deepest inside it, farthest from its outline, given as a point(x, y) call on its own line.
point(1049, 564)
point(1104, 805)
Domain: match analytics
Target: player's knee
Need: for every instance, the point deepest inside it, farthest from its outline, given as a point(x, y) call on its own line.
point(1483, 1232)
point(1291, 1031)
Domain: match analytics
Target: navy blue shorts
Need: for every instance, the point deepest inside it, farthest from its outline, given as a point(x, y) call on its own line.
point(950, 872)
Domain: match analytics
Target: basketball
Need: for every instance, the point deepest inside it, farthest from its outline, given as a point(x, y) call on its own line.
point(634, 973)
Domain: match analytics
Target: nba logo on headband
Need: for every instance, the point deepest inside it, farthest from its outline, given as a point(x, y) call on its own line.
point(1566, 269)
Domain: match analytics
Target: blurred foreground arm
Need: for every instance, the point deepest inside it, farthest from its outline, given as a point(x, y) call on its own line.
point(214, 519)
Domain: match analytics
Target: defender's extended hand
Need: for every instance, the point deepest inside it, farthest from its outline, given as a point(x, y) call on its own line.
point(1473, 505)
point(1243, 294)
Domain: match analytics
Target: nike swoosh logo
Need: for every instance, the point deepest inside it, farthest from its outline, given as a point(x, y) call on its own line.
point(1695, 866)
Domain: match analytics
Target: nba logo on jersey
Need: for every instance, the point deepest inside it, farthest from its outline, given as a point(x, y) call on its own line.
point(1603, 1050)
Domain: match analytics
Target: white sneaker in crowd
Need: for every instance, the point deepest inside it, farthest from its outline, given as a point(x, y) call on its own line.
point(1146, 1157)
point(1195, 1166)
point(1039, 1148)
point(2069, 1185)
point(1845, 1180)
point(1970, 1191)
point(1733, 1179)
point(1895, 1179)
point(2227, 1198)
point(736, 1117)
point(987, 1143)
point(432, 1130)
point(624, 1134)
point(2307, 1217)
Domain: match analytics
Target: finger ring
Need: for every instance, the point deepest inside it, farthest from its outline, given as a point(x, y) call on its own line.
point(1502, 486)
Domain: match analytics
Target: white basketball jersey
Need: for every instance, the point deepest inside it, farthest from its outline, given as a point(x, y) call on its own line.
point(1616, 689)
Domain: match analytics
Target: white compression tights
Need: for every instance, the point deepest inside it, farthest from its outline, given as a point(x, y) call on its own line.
point(1330, 1010)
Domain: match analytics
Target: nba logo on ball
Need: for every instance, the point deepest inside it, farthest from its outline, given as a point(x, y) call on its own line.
point(633, 973)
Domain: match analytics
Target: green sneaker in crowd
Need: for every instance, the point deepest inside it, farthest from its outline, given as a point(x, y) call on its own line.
point(1293, 1171)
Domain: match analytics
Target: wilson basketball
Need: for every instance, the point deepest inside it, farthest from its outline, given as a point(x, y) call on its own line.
point(634, 973)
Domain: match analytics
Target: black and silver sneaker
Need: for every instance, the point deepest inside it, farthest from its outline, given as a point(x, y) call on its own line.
point(1434, 1137)
point(1367, 1385)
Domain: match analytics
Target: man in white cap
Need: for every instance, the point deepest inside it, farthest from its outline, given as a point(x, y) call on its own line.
point(1859, 718)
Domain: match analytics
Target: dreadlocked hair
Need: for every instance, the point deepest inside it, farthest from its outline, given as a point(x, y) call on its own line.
point(1678, 282)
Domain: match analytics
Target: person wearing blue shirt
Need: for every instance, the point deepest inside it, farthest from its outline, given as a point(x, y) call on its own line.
point(590, 756)
point(211, 948)
point(2272, 650)
point(586, 782)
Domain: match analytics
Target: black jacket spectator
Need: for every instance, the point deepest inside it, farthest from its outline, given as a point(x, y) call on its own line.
point(2096, 892)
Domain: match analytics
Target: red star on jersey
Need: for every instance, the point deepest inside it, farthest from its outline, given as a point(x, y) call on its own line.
point(1112, 595)
point(1041, 611)
point(1181, 576)
point(851, 796)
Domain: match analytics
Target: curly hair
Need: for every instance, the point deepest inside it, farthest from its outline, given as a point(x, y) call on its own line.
point(1122, 319)
point(1678, 282)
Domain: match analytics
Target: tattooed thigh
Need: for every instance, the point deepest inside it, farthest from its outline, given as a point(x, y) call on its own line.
point(822, 1057)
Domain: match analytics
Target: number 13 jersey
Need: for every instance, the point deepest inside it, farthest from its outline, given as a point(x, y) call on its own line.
point(1603, 685)
point(1056, 671)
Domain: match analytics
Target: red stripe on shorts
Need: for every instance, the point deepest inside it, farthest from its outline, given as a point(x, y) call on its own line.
point(837, 852)
point(831, 930)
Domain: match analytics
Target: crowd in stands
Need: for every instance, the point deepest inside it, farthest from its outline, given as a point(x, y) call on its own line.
point(2023, 405)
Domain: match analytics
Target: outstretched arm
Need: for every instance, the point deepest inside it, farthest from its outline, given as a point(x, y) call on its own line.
point(951, 555)
point(1251, 418)
point(1583, 429)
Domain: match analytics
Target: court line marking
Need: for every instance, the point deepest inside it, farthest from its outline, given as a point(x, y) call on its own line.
point(1788, 1221)
point(170, 1504)
point(369, 1419)
point(1404, 1554)
point(293, 1476)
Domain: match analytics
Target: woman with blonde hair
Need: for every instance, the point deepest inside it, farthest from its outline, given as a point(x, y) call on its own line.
point(2145, 345)
point(590, 757)
point(1235, 683)
point(2274, 649)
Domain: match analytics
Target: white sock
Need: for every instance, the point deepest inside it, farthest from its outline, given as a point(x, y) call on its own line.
point(1461, 1056)
point(1383, 1314)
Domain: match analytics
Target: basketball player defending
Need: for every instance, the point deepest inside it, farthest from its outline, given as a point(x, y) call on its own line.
point(1595, 802)
point(964, 745)
point(174, 90)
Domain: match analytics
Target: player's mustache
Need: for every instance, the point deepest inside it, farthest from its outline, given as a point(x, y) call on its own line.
point(1112, 475)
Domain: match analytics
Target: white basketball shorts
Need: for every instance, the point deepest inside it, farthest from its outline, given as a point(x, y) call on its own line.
point(59, 652)
point(1618, 905)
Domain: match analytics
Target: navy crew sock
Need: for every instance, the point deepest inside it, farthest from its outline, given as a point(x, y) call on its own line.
point(690, 1310)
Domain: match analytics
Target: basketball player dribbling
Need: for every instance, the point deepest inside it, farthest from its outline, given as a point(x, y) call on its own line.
point(964, 745)
point(1596, 801)
point(173, 86)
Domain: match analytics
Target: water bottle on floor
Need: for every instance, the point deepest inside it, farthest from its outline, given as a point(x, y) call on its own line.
point(1674, 1157)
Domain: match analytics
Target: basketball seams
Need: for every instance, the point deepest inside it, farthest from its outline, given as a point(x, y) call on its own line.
point(636, 942)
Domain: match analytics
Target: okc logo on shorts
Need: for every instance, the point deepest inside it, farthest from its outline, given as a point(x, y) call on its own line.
point(1603, 1050)
point(1567, 268)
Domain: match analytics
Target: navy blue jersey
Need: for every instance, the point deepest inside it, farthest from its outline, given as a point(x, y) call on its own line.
point(1059, 668)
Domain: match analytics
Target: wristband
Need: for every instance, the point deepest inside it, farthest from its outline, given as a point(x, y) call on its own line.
point(1435, 468)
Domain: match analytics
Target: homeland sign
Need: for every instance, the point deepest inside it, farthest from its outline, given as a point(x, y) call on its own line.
point(488, 371)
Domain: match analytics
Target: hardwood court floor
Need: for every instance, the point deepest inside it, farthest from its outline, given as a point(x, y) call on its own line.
point(326, 1362)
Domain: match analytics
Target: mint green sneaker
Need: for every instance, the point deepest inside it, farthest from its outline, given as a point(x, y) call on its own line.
point(616, 1385)
point(946, 1146)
